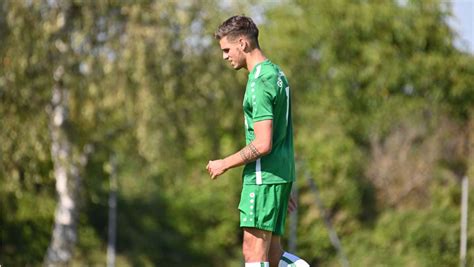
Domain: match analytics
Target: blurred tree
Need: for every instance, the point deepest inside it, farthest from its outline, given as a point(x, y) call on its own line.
point(131, 71)
point(369, 77)
point(25, 159)
point(52, 42)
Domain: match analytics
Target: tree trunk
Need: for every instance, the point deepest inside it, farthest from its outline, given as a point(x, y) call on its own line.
point(112, 213)
point(67, 175)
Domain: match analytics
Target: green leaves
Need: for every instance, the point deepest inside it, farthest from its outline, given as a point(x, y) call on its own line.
point(382, 110)
point(370, 78)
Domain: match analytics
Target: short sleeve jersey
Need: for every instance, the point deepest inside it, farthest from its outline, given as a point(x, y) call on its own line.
point(267, 97)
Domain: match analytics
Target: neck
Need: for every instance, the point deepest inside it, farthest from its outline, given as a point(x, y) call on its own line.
point(253, 58)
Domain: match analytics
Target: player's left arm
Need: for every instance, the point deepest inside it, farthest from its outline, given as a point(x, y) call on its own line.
point(260, 146)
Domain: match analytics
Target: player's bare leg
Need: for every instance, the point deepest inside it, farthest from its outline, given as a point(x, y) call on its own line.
point(256, 245)
point(275, 251)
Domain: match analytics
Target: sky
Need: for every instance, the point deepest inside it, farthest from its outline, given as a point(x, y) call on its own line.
point(463, 23)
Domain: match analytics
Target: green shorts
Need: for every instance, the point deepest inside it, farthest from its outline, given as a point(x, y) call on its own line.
point(265, 206)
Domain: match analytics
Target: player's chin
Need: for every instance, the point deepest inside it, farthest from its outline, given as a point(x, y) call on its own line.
point(236, 67)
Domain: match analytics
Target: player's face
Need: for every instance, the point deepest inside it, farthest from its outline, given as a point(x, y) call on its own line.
point(232, 51)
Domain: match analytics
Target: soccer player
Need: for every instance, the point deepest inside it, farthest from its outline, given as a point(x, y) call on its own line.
point(269, 170)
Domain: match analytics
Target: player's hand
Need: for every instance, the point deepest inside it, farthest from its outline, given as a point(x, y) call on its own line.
point(216, 168)
point(292, 203)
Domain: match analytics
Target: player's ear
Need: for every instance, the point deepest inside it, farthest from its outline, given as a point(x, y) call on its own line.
point(244, 44)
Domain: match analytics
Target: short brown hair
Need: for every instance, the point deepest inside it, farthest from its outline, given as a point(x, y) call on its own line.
point(237, 26)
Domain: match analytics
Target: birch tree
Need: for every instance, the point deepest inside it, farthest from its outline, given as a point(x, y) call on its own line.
point(68, 163)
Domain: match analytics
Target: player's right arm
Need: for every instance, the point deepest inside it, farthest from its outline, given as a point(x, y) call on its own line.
point(260, 146)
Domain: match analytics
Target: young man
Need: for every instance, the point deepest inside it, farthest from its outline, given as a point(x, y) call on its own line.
point(268, 157)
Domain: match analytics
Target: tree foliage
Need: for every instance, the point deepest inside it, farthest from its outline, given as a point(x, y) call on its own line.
point(383, 112)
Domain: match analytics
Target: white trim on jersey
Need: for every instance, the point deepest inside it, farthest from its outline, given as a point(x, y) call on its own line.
point(287, 89)
point(258, 165)
point(258, 171)
point(257, 71)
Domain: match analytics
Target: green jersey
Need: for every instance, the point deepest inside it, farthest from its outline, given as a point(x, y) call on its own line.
point(267, 97)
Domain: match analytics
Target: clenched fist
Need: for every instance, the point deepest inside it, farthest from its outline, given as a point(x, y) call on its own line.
point(216, 168)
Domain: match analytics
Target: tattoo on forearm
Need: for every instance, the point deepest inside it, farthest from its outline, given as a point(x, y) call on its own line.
point(249, 153)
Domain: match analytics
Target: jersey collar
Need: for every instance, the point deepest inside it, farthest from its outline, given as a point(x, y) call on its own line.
point(256, 65)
